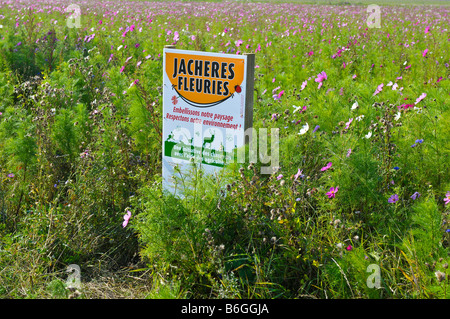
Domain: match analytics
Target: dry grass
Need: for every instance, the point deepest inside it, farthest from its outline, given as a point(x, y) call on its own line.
point(116, 287)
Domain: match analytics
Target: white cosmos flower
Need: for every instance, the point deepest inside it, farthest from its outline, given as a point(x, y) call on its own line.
point(304, 129)
point(360, 117)
point(355, 105)
point(368, 135)
point(395, 86)
point(296, 108)
point(389, 84)
point(397, 116)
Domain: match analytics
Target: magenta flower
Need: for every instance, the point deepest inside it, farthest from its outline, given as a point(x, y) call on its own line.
point(278, 96)
point(310, 53)
point(326, 167)
point(332, 192)
point(424, 53)
point(393, 198)
point(322, 76)
point(427, 29)
point(349, 247)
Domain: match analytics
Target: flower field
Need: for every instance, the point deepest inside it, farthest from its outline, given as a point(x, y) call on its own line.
point(358, 207)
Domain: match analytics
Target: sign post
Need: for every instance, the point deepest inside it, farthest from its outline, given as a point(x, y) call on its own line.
point(207, 107)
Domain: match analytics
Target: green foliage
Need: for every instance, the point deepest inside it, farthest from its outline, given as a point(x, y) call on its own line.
point(64, 134)
point(80, 146)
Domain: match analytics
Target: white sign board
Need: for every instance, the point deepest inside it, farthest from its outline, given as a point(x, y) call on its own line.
point(207, 106)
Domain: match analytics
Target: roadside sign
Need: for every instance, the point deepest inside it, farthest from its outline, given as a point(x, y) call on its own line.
point(207, 106)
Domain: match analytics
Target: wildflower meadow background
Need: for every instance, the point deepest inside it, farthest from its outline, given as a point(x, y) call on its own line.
point(358, 208)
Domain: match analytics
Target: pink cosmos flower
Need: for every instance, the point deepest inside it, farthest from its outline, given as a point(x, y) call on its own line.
point(304, 85)
point(379, 89)
point(393, 198)
point(326, 167)
point(424, 53)
point(176, 36)
point(427, 29)
point(126, 218)
point(420, 98)
point(322, 76)
point(299, 173)
point(447, 198)
point(332, 192)
point(278, 96)
point(347, 125)
point(349, 152)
